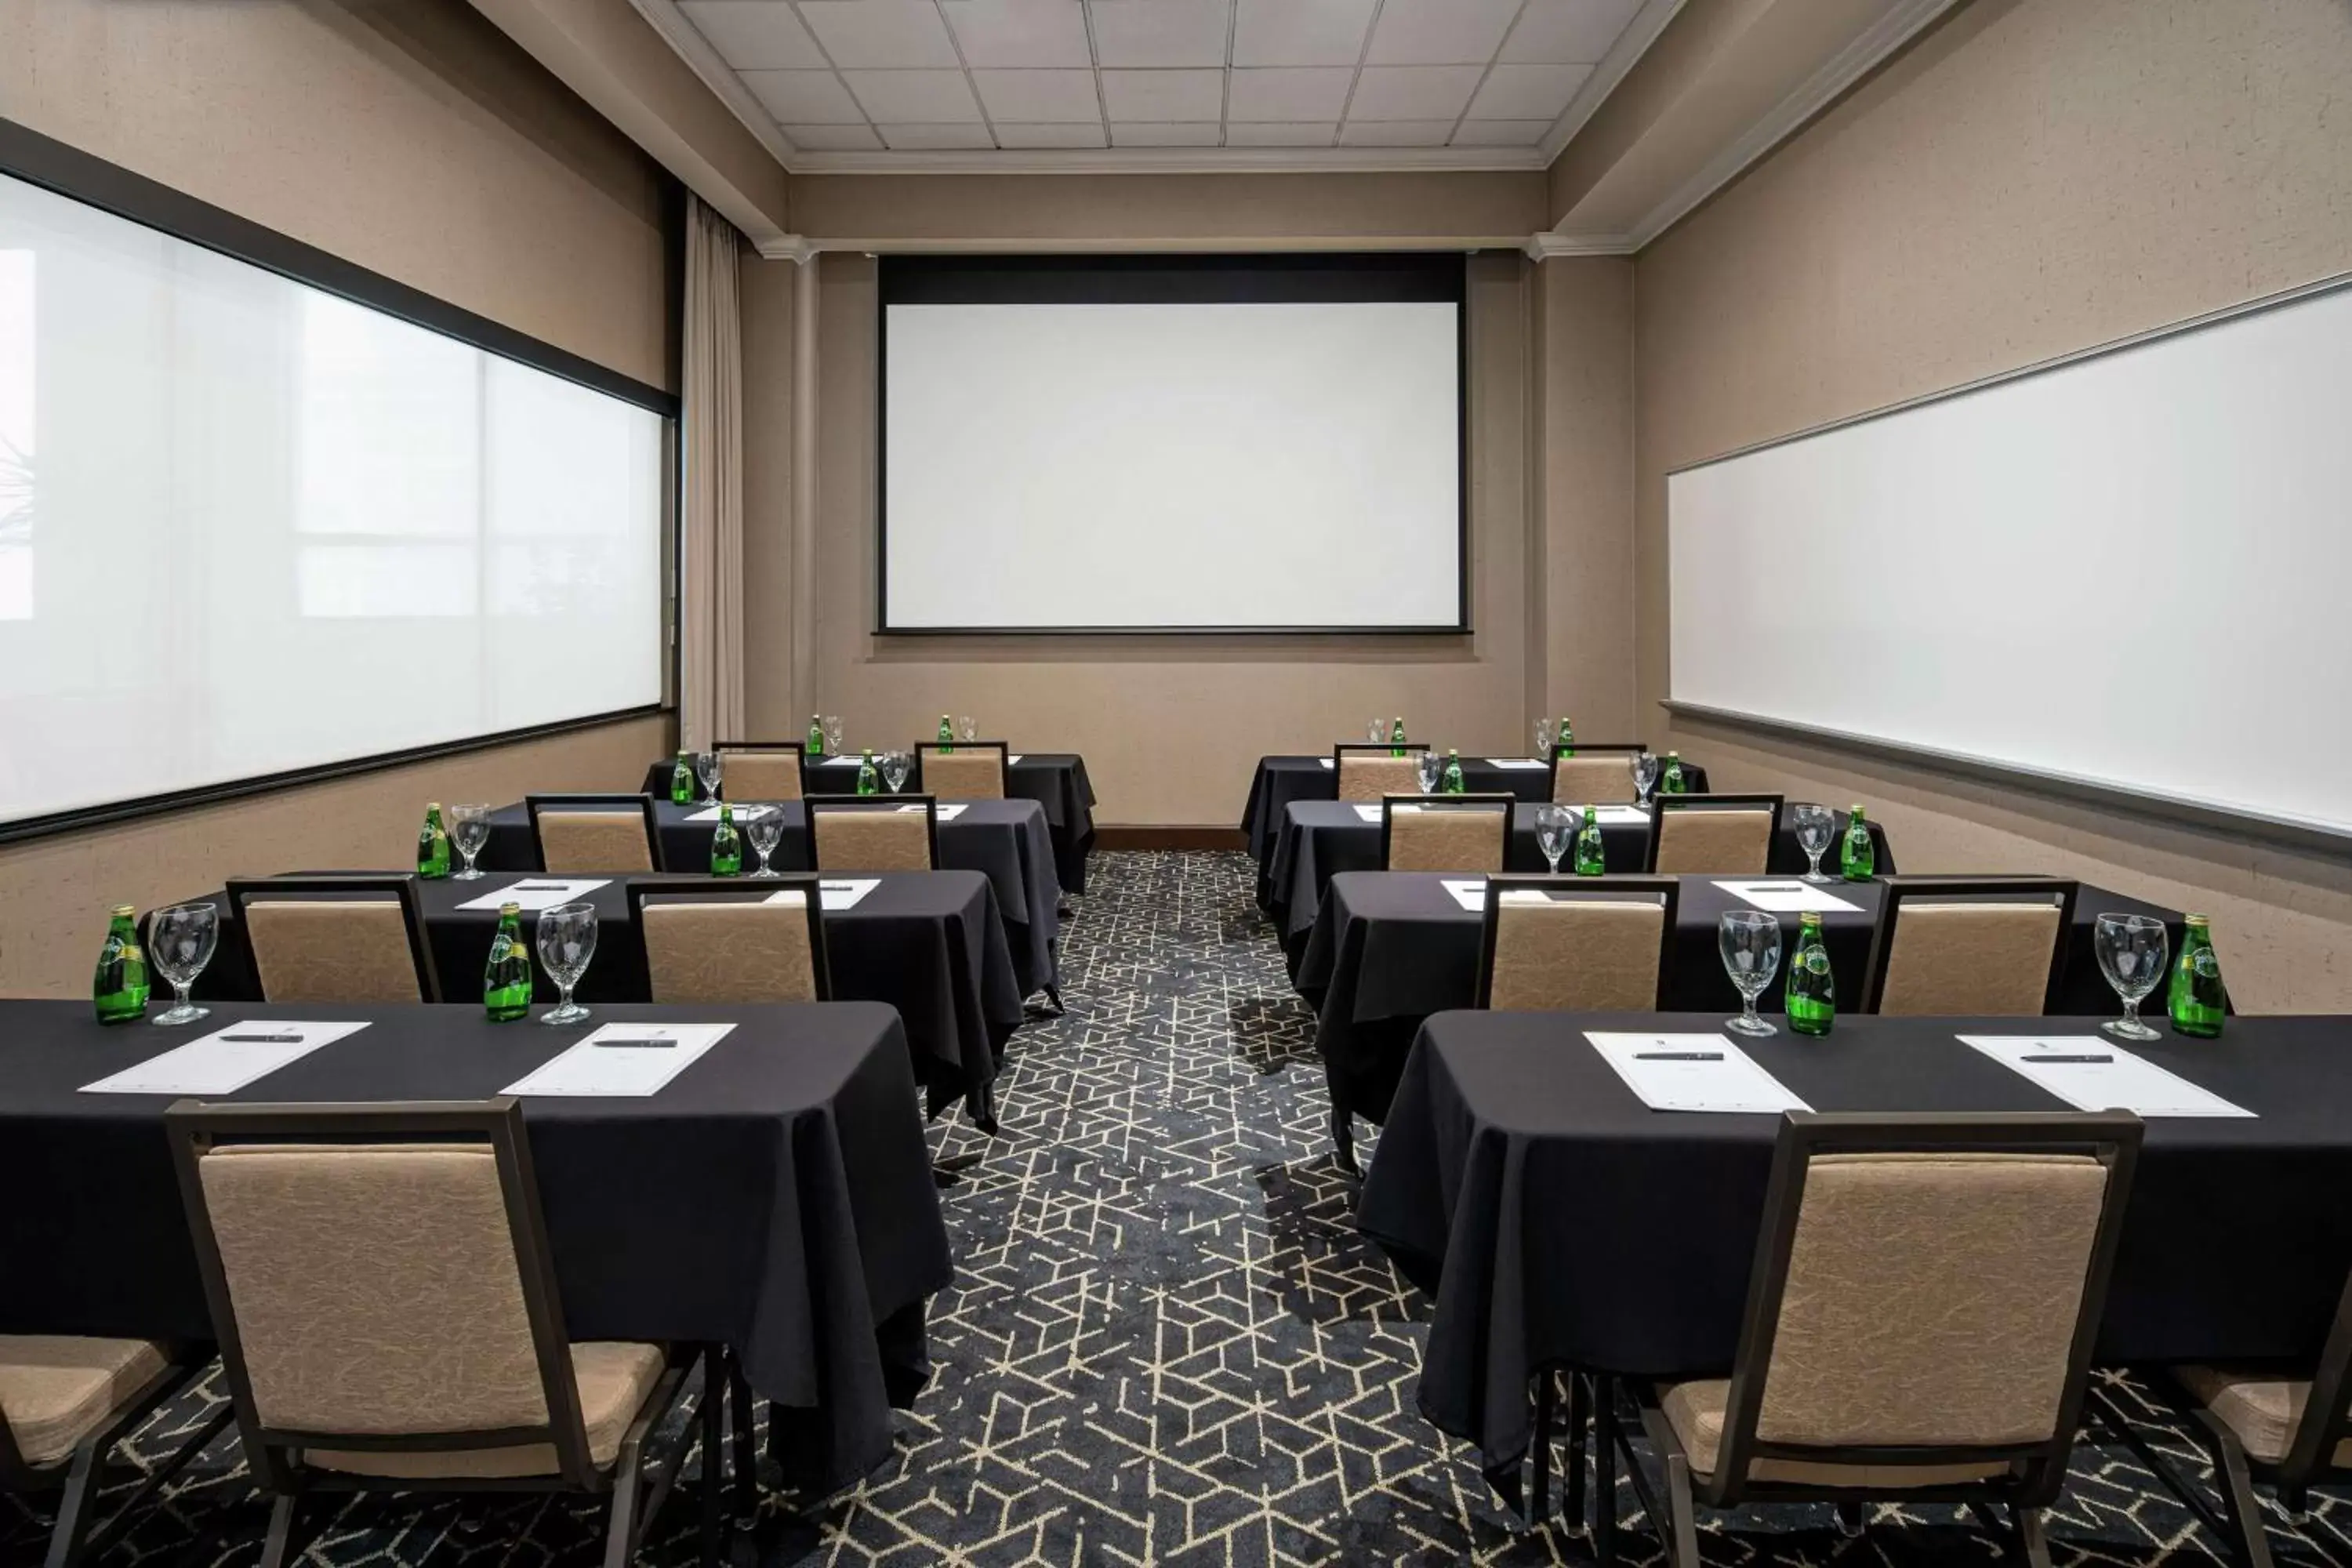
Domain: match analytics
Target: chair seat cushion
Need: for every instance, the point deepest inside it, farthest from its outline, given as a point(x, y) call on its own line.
point(56, 1389)
point(613, 1378)
point(2262, 1408)
point(1695, 1412)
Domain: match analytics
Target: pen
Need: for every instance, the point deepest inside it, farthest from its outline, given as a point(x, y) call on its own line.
point(1677, 1055)
point(264, 1039)
point(2066, 1059)
point(637, 1042)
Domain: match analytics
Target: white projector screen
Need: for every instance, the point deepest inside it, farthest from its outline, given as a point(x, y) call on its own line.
point(1172, 444)
point(2127, 570)
point(249, 528)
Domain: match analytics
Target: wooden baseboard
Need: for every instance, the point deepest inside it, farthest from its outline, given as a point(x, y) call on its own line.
point(1147, 837)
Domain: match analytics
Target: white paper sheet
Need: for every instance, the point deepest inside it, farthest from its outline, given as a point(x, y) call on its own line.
point(1621, 816)
point(1727, 1080)
point(225, 1060)
point(743, 813)
point(1368, 812)
point(622, 1072)
point(1789, 896)
point(537, 893)
point(1520, 764)
point(1012, 757)
point(844, 893)
point(837, 761)
point(2121, 1082)
point(945, 813)
point(1470, 893)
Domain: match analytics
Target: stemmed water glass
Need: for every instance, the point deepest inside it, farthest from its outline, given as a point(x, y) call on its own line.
point(1378, 729)
point(765, 829)
point(567, 941)
point(833, 734)
point(1750, 940)
point(179, 944)
point(1428, 767)
point(1543, 738)
point(2132, 951)
point(706, 767)
point(1645, 776)
point(1814, 828)
point(894, 768)
point(469, 829)
point(966, 730)
point(1555, 826)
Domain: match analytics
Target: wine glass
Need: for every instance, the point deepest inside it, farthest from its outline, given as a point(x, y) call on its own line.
point(1428, 768)
point(469, 829)
point(1555, 827)
point(894, 767)
point(706, 767)
point(1750, 940)
point(1645, 776)
point(1543, 737)
point(833, 734)
point(2132, 949)
point(1814, 828)
point(966, 730)
point(567, 941)
point(179, 944)
point(765, 829)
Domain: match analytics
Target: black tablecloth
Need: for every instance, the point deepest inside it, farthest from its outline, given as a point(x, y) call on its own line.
point(1556, 1220)
point(1281, 780)
point(1389, 948)
point(1005, 840)
point(776, 1196)
point(929, 943)
point(1322, 838)
point(1054, 780)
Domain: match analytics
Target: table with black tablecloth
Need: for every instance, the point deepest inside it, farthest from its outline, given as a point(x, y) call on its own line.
point(929, 943)
point(776, 1196)
point(1555, 1221)
point(1004, 840)
point(1281, 780)
point(1321, 838)
point(1389, 948)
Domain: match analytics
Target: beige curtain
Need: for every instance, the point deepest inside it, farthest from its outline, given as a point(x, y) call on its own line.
point(710, 513)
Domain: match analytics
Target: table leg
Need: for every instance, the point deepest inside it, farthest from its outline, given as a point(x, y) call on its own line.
point(1539, 1488)
point(1604, 1471)
point(1580, 1417)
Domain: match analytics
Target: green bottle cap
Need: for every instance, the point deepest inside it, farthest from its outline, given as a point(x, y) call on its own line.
point(123, 912)
point(509, 908)
point(2195, 922)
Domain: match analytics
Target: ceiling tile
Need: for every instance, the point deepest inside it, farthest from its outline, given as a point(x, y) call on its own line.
point(1528, 92)
point(833, 138)
point(884, 35)
point(1163, 135)
point(1017, 135)
point(1439, 32)
point(935, 138)
point(1413, 92)
point(1019, 32)
point(1243, 135)
point(914, 98)
point(1289, 92)
point(804, 97)
point(1039, 97)
point(1300, 32)
point(1164, 95)
point(754, 35)
point(1160, 32)
point(1553, 31)
point(1395, 132)
point(1502, 132)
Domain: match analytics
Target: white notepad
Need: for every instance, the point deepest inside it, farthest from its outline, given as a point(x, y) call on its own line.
point(839, 762)
point(944, 813)
point(1323, 762)
point(1693, 1072)
point(1520, 764)
point(1790, 897)
point(2120, 1082)
point(842, 893)
point(1368, 813)
point(743, 813)
point(537, 893)
point(1621, 816)
point(1012, 758)
point(1469, 892)
point(225, 1060)
point(622, 1071)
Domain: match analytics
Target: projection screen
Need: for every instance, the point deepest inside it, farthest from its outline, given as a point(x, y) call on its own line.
point(1188, 444)
point(2127, 571)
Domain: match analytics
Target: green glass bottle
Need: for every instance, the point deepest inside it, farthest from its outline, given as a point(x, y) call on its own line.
point(681, 780)
point(1672, 781)
point(506, 980)
point(2197, 1000)
point(432, 846)
point(814, 744)
point(1591, 853)
point(1811, 1002)
point(1452, 783)
point(726, 845)
point(1396, 737)
point(1857, 858)
point(120, 985)
point(868, 780)
point(1564, 743)
point(947, 734)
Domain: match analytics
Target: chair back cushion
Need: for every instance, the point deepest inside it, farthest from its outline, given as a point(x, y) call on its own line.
point(975, 774)
point(1717, 843)
point(593, 841)
point(1932, 1298)
point(1364, 776)
point(1605, 779)
point(1984, 960)
point(869, 840)
point(759, 775)
point(705, 949)
point(1576, 954)
point(331, 949)
point(1442, 838)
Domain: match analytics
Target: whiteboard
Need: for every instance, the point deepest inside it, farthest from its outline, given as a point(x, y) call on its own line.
point(2131, 569)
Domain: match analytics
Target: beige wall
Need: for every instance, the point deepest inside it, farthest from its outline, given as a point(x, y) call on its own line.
point(410, 136)
point(2034, 177)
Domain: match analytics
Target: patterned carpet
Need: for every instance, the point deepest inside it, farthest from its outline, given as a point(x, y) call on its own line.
point(1166, 1344)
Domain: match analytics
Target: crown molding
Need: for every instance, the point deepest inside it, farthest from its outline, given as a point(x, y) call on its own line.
point(803, 248)
point(686, 41)
point(1551, 245)
point(1631, 46)
point(1179, 161)
point(798, 248)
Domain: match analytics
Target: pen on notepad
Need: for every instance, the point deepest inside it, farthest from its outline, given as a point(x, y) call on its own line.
point(2067, 1058)
point(637, 1042)
point(264, 1039)
point(1677, 1055)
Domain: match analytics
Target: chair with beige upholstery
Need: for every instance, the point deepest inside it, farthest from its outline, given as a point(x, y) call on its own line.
point(1595, 775)
point(760, 770)
point(1446, 833)
point(356, 938)
point(594, 832)
point(1969, 947)
point(720, 941)
point(383, 1294)
point(1918, 1328)
point(961, 770)
point(1576, 944)
point(1367, 772)
point(1712, 835)
point(874, 833)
